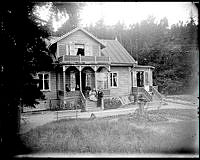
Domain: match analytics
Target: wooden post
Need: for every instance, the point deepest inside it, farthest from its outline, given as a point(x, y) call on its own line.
point(80, 79)
point(102, 103)
point(95, 77)
point(64, 80)
point(108, 79)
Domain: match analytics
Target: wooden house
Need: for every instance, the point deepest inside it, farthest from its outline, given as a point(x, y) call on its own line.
point(83, 61)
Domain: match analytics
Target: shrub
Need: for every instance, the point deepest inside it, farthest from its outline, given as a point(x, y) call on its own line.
point(112, 103)
point(77, 104)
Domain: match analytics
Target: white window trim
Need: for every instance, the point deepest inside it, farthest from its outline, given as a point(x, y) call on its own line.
point(43, 73)
point(111, 74)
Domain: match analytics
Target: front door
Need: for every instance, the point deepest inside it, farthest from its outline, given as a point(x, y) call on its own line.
point(140, 79)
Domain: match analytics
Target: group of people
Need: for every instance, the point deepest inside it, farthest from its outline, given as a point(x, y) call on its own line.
point(94, 95)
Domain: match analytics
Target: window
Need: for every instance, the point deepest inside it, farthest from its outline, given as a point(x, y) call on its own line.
point(89, 80)
point(79, 48)
point(63, 49)
point(102, 81)
point(113, 80)
point(44, 81)
point(140, 78)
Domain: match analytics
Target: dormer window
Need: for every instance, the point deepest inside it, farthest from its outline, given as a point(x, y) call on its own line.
point(80, 49)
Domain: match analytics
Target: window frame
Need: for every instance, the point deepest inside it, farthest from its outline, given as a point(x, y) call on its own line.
point(66, 49)
point(77, 46)
point(43, 80)
point(111, 84)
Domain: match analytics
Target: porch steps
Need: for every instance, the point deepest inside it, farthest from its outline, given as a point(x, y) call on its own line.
point(91, 106)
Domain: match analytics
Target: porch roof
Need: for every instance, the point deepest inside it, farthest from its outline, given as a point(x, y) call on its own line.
point(140, 66)
point(116, 52)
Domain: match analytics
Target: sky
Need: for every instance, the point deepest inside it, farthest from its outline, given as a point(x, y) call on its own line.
point(126, 12)
point(133, 12)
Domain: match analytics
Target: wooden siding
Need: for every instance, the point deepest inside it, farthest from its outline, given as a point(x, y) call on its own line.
point(134, 79)
point(91, 46)
point(95, 50)
point(61, 81)
point(124, 82)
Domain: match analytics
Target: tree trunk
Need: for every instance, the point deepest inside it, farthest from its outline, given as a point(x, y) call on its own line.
point(10, 130)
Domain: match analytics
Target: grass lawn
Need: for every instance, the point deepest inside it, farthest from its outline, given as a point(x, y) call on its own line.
point(166, 131)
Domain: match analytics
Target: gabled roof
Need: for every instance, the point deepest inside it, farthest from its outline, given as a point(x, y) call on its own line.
point(74, 30)
point(117, 53)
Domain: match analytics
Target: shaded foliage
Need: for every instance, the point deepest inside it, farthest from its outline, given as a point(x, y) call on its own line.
point(24, 53)
point(172, 51)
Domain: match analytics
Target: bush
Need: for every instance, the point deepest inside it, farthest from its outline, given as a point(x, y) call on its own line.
point(68, 106)
point(112, 103)
point(76, 105)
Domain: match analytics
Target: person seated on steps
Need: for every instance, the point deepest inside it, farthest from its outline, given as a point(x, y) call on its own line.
point(67, 88)
point(92, 95)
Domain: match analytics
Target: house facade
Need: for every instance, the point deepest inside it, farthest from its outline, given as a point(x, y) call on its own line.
point(83, 61)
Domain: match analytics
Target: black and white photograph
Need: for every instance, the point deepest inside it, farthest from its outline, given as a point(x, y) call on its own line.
point(99, 79)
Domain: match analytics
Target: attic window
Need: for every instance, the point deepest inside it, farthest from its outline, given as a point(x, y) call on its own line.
point(80, 49)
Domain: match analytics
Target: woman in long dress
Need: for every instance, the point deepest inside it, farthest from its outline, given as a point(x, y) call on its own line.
point(92, 95)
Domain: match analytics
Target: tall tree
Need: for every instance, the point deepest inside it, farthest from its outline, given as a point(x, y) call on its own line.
point(23, 54)
point(73, 11)
point(172, 51)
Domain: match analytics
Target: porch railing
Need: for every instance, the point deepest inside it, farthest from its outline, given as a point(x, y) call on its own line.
point(83, 99)
point(84, 59)
point(155, 91)
point(68, 94)
point(72, 94)
point(106, 92)
point(147, 94)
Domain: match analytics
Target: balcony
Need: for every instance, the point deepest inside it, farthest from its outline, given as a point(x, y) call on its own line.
point(84, 59)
